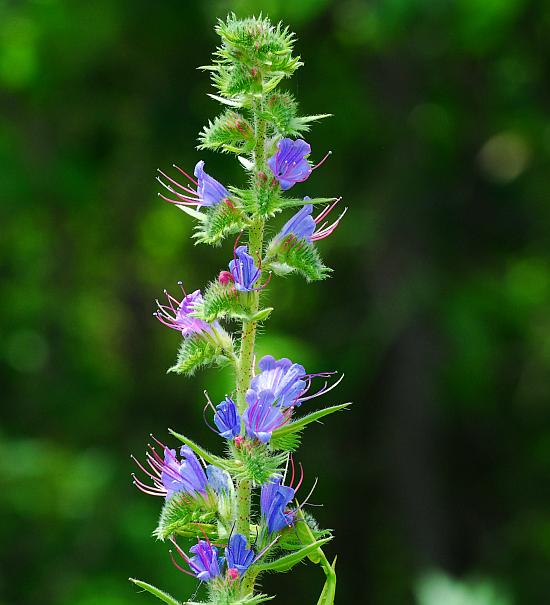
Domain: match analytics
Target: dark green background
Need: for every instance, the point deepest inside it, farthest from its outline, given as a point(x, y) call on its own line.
point(438, 311)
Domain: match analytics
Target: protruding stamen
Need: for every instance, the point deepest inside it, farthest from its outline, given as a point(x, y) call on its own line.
point(322, 161)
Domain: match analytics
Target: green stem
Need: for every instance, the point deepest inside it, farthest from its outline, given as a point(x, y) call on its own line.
point(244, 491)
point(248, 334)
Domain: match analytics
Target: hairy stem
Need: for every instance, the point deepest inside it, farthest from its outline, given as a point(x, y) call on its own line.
point(248, 335)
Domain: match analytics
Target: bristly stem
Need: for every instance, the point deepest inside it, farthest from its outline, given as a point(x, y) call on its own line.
point(248, 334)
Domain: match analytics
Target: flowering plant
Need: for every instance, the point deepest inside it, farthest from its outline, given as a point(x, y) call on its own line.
point(208, 497)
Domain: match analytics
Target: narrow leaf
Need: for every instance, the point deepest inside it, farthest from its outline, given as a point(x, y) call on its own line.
point(299, 425)
point(160, 594)
point(329, 589)
point(289, 561)
point(262, 315)
point(229, 102)
point(194, 213)
point(306, 536)
point(200, 451)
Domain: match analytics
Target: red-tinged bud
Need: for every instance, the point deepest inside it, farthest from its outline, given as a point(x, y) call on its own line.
point(229, 203)
point(225, 277)
point(239, 440)
point(232, 574)
point(253, 72)
point(262, 177)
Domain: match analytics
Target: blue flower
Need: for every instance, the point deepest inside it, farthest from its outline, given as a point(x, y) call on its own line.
point(283, 378)
point(237, 555)
point(227, 419)
point(204, 191)
point(289, 165)
point(186, 475)
point(244, 271)
point(262, 417)
point(178, 315)
point(210, 191)
point(301, 226)
point(205, 565)
point(171, 475)
point(274, 499)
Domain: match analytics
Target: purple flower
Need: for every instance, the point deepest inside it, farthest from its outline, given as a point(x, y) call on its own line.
point(204, 565)
point(170, 474)
point(243, 270)
point(303, 227)
point(177, 314)
point(211, 192)
point(283, 378)
point(262, 416)
point(207, 192)
point(237, 555)
point(227, 419)
point(289, 165)
point(274, 500)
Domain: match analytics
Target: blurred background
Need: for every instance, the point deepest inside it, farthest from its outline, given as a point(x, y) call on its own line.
point(437, 481)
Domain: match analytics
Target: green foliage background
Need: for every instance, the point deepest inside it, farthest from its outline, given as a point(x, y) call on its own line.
point(438, 311)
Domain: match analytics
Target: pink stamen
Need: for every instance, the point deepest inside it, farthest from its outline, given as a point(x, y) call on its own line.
point(292, 469)
point(326, 211)
point(301, 478)
point(188, 201)
point(322, 161)
point(185, 174)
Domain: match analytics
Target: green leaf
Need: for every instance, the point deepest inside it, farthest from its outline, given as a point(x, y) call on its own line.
point(262, 314)
point(187, 516)
point(257, 463)
point(288, 436)
point(222, 301)
point(289, 561)
point(196, 352)
point(329, 589)
point(191, 212)
point(221, 220)
point(228, 132)
point(297, 202)
point(300, 125)
point(160, 594)
point(306, 536)
point(224, 101)
point(200, 451)
point(300, 257)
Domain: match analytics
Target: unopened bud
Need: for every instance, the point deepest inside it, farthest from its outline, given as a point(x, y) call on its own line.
point(225, 277)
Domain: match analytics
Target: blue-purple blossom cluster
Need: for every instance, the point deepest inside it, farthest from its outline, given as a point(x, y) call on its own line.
point(213, 501)
point(206, 564)
point(274, 392)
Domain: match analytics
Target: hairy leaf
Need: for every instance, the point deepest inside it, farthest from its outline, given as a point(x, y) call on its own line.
point(221, 220)
point(187, 515)
point(289, 561)
point(300, 257)
point(223, 301)
point(196, 352)
point(200, 451)
point(230, 132)
point(258, 464)
point(288, 436)
point(160, 594)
